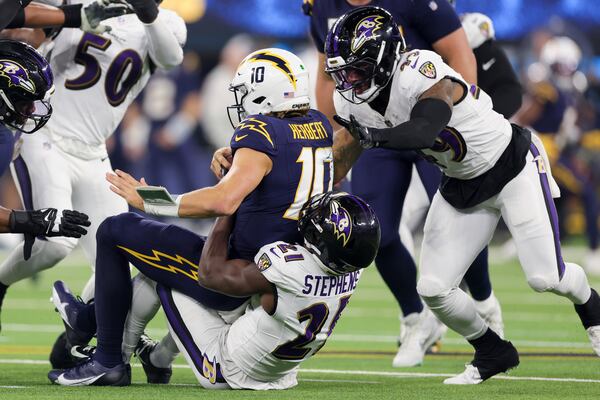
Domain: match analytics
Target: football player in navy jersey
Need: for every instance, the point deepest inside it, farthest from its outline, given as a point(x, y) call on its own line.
point(425, 24)
point(282, 155)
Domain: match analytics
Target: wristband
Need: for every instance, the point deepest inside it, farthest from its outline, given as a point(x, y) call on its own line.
point(72, 15)
point(164, 209)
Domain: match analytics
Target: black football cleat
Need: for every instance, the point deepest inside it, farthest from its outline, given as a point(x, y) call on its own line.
point(484, 366)
point(69, 306)
point(92, 373)
point(60, 356)
point(154, 374)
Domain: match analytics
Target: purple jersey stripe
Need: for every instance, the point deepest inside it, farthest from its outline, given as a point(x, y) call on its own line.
point(552, 214)
point(180, 329)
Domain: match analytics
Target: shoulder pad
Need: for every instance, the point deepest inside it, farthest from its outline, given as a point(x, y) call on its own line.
point(478, 27)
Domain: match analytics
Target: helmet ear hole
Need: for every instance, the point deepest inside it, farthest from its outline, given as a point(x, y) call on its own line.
point(259, 100)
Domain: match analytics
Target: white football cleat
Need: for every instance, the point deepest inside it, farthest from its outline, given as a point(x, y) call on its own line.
point(489, 309)
point(594, 335)
point(470, 376)
point(420, 331)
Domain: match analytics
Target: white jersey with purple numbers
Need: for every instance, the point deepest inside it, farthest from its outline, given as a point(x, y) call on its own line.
point(97, 76)
point(476, 135)
point(269, 348)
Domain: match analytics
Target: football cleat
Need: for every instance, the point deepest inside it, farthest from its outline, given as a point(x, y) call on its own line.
point(489, 309)
point(92, 373)
point(484, 366)
point(69, 306)
point(420, 332)
point(81, 352)
point(154, 374)
point(594, 336)
point(60, 356)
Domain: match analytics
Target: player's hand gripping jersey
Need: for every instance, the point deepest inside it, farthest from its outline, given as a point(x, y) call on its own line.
point(476, 135)
point(301, 151)
point(107, 70)
point(268, 348)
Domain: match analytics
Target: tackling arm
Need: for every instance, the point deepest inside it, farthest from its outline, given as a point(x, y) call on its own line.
point(232, 277)
point(427, 118)
point(9, 11)
point(166, 36)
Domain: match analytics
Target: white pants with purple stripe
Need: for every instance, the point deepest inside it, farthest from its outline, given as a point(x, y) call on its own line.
point(453, 238)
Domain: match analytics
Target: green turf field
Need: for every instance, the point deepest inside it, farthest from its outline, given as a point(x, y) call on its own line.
point(556, 361)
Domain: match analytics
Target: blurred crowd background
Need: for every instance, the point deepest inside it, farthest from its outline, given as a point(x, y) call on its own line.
point(170, 132)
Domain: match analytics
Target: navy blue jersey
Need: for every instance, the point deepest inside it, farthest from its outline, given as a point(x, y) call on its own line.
point(554, 103)
point(422, 22)
point(301, 151)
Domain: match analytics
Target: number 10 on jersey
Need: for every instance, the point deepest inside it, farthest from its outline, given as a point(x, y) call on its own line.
point(313, 178)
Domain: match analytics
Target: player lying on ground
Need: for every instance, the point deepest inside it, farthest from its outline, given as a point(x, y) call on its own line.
point(301, 291)
point(282, 155)
point(413, 100)
point(26, 84)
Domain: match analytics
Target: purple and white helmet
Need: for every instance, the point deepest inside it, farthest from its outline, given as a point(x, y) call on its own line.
point(26, 84)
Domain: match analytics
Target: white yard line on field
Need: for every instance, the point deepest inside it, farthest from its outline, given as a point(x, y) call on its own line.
point(381, 374)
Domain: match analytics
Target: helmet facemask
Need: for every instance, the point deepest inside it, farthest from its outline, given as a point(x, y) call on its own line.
point(25, 115)
point(236, 111)
point(363, 49)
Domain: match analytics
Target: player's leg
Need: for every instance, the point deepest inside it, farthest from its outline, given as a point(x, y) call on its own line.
point(529, 212)
point(92, 196)
point(452, 240)
point(393, 261)
point(43, 180)
point(198, 332)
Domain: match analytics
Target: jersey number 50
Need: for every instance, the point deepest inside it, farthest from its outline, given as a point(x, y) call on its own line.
point(116, 84)
point(312, 179)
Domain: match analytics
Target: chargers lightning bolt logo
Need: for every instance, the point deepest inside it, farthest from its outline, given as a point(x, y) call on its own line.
point(162, 261)
point(255, 125)
point(278, 62)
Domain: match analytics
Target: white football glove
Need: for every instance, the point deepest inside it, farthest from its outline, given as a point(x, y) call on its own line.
point(94, 13)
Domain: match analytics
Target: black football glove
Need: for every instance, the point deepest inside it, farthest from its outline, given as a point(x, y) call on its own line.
point(146, 10)
point(361, 133)
point(42, 222)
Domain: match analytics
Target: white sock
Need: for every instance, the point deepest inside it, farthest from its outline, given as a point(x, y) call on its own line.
point(574, 284)
point(88, 291)
point(164, 353)
point(44, 254)
point(457, 310)
point(144, 305)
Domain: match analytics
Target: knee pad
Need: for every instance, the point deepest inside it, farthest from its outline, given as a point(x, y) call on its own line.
point(543, 283)
point(431, 287)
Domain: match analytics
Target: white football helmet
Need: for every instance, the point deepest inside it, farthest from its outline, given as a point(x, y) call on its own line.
point(266, 81)
point(478, 27)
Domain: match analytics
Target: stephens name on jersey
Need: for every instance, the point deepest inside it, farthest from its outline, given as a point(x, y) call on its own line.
point(269, 348)
point(301, 151)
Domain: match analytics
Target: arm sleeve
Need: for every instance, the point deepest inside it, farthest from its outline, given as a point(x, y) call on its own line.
point(434, 20)
point(9, 9)
point(499, 80)
point(256, 134)
point(427, 118)
point(166, 37)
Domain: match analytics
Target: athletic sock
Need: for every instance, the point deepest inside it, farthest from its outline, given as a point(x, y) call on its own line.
point(487, 343)
point(86, 318)
point(478, 277)
point(3, 289)
point(399, 272)
point(164, 353)
point(112, 297)
point(589, 312)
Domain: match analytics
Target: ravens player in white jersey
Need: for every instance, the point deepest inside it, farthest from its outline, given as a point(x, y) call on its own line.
point(97, 76)
point(387, 97)
point(299, 289)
